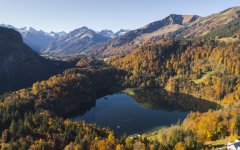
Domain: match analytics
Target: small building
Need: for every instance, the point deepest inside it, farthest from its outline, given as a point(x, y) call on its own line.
point(134, 136)
point(234, 146)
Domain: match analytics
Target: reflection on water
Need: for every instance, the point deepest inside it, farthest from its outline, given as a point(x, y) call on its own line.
point(141, 112)
point(168, 101)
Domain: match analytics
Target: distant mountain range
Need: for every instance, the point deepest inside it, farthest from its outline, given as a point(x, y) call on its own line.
point(51, 43)
point(106, 43)
point(173, 26)
point(132, 39)
point(77, 41)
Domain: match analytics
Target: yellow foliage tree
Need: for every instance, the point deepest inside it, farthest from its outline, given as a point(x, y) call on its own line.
point(179, 146)
point(35, 88)
point(119, 147)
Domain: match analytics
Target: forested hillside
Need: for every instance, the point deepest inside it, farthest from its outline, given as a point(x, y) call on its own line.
point(20, 66)
point(203, 68)
point(231, 29)
point(207, 69)
point(33, 118)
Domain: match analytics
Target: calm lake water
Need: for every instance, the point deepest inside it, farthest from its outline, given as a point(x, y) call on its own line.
point(143, 112)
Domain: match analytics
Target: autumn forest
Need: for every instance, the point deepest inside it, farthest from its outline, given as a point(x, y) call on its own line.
point(199, 60)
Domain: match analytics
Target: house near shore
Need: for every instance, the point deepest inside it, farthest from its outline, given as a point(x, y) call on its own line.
point(134, 136)
point(233, 146)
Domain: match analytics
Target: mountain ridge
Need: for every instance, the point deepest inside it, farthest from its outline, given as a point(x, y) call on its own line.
point(206, 24)
point(106, 43)
point(132, 39)
point(78, 41)
point(37, 40)
point(74, 42)
point(176, 26)
point(20, 66)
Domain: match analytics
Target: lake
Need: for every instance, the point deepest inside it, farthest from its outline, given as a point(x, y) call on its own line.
point(143, 111)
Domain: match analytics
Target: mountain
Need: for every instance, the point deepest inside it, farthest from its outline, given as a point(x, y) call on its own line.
point(75, 42)
point(111, 34)
point(174, 26)
point(106, 43)
point(37, 40)
point(107, 33)
point(20, 66)
point(207, 24)
point(121, 32)
point(228, 33)
point(132, 39)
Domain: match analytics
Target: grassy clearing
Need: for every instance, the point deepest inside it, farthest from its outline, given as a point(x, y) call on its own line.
point(228, 40)
point(217, 143)
point(130, 91)
point(205, 76)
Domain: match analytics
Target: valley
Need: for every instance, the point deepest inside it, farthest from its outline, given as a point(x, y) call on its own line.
point(172, 83)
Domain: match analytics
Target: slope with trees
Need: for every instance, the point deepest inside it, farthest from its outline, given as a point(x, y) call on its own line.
point(20, 66)
point(207, 69)
point(34, 118)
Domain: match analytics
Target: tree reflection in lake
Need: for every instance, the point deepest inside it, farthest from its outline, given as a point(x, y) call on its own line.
point(168, 101)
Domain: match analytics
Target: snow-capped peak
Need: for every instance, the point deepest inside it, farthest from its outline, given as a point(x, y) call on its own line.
point(111, 34)
point(107, 33)
point(121, 32)
point(36, 39)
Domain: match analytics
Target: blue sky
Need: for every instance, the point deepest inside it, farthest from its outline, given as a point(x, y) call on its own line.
point(66, 15)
